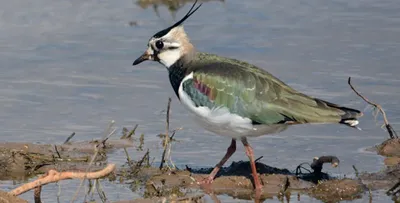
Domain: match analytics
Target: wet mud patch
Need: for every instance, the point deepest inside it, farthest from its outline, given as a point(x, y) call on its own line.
point(181, 185)
point(337, 190)
point(22, 160)
point(383, 179)
point(5, 197)
point(175, 185)
point(235, 181)
point(172, 198)
point(389, 148)
point(390, 175)
point(389, 178)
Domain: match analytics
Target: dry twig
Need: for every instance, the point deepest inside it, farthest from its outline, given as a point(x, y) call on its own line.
point(167, 138)
point(317, 163)
point(167, 142)
point(58, 153)
point(128, 159)
point(356, 171)
point(108, 133)
point(389, 128)
point(36, 194)
point(394, 190)
point(141, 143)
point(128, 135)
point(55, 176)
point(69, 138)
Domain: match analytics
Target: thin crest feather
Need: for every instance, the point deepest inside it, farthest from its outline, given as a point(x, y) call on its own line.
point(188, 14)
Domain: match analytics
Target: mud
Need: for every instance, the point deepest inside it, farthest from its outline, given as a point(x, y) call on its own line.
point(235, 181)
point(337, 190)
point(172, 199)
point(390, 175)
point(19, 160)
point(182, 183)
point(383, 179)
point(7, 198)
point(389, 148)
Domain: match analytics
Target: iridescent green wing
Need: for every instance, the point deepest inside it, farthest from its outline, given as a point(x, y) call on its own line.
point(250, 92)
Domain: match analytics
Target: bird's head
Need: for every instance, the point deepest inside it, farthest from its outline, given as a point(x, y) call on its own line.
point(169, 45)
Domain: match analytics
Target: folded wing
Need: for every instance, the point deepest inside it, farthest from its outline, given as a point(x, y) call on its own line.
point(253, 93)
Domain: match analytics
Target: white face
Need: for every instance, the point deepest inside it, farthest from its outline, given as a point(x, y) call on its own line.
point(165, 49)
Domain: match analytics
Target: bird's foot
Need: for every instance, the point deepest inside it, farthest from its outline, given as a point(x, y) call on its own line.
point(259, 189)
point(258, 185)
point(257, 194)
point(205, 181)
point(205, 184)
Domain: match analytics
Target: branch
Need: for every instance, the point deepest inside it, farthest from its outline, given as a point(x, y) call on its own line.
point(36, 194)
point(55, 176)
point(108, 133)
point(389, 128)
point(317, 163)
point(392, 191)
point(166, 139)
point(69, 138)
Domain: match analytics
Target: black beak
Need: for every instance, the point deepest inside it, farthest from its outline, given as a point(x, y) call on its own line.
point(144, 57)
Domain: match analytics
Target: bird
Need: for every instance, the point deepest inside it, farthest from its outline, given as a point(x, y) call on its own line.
point(233, 98)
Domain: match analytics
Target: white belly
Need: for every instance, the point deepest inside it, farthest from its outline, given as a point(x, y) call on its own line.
point(222, 122)
point(232, 130)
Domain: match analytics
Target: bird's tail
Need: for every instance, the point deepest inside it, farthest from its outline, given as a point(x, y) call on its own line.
point(349, 117)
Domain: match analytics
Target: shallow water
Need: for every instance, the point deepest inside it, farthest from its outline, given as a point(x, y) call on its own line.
point(66, 67)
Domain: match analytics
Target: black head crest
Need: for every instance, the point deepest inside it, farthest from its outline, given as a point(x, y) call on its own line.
point(188, 14)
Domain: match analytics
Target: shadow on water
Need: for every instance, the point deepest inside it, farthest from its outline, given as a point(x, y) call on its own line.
point(242, 168)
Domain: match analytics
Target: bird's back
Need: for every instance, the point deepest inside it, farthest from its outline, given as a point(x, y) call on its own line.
point(253, 93)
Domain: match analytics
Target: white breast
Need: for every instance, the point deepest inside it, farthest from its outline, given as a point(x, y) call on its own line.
point(221, 121)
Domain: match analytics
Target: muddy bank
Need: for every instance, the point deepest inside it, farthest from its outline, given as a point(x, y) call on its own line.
point(181, 185)
point(178, 185)
point(7, 198)
point(19, 161)
point(390, 175)
point(337, 190)
point(235, 181)
point(383, 179)
point(389, 148)
point(173, 199)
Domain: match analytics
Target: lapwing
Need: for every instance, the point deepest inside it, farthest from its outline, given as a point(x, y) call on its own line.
point(234, 98)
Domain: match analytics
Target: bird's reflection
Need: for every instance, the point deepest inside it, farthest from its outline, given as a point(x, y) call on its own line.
point(172, 5)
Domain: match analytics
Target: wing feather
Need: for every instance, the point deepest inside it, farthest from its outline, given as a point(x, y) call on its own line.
point(256, 94)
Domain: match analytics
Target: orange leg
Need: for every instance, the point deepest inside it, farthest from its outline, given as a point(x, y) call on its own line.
point(231, 149)
point(250, 154)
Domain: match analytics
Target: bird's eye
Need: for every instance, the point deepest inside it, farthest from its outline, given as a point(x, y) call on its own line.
point(159, 44)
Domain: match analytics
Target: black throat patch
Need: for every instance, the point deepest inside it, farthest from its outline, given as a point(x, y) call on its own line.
point(176, 74)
